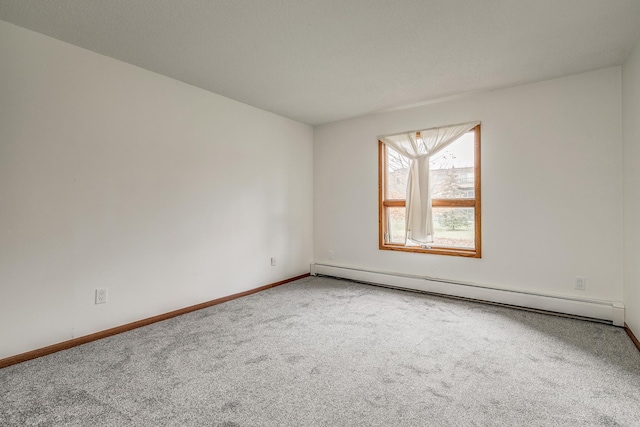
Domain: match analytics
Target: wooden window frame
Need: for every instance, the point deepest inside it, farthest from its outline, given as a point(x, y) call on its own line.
point(475, 203)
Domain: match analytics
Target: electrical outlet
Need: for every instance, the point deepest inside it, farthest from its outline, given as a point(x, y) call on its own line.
point(101, 296)
point(273, 262)
point(580, 284)
point(330, 254)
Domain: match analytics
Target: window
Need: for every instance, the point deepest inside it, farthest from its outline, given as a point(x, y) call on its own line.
point(429, 191)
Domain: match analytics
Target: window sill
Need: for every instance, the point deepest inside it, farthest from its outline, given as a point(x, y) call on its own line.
point(468, 253)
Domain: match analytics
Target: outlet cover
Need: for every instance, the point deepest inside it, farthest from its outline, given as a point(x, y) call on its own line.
point(101, 296)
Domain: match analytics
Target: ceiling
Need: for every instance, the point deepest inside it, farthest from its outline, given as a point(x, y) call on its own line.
point(319, 61)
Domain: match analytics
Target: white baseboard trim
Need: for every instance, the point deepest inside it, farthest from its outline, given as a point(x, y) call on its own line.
point(611, 311)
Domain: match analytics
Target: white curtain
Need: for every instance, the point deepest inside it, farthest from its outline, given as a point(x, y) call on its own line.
point(419, 220)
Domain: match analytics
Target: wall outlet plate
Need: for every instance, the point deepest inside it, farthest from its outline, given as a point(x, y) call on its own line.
point(101, 296)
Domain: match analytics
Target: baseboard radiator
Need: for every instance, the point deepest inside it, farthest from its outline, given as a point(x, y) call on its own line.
point(608, 311)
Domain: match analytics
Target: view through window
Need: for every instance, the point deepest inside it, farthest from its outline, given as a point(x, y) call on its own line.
point(454, 180)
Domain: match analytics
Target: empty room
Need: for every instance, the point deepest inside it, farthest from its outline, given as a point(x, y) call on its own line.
point(319, 213)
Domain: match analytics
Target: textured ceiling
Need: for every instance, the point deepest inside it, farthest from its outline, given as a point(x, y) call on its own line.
point(318, 61)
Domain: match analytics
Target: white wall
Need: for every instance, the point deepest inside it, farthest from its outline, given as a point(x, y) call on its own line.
point(113, 176)
point(631, 149)
point(551, 188)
